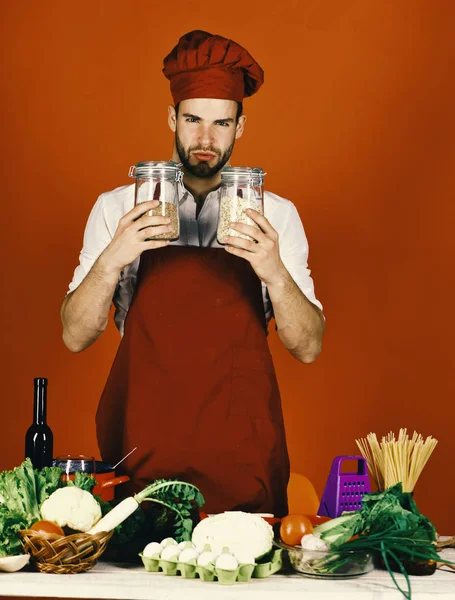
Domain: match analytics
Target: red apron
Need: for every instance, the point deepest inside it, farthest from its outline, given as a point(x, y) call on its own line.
point(193, 384)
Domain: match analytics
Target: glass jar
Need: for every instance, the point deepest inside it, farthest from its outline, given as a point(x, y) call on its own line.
point(241, 188)
point(159, 180)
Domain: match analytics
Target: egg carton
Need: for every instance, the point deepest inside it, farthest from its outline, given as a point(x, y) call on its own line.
point(243, 573)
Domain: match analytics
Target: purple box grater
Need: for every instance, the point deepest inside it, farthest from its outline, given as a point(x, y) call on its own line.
point(344, 491)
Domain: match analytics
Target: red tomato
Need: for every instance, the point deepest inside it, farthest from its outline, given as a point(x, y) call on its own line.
point(46, 527)
point(202, 515)
point(293, 527)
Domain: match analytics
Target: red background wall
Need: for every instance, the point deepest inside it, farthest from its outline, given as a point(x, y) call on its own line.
point(355, 124)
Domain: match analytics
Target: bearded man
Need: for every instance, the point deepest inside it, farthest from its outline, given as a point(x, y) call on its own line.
point(193, 383)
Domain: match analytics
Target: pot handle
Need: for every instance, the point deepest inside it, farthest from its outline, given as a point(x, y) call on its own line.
point(102, 485)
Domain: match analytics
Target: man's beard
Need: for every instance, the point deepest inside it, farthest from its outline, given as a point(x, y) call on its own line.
point(202, 169)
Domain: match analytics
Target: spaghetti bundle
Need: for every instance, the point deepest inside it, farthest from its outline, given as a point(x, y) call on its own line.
point(392, 461)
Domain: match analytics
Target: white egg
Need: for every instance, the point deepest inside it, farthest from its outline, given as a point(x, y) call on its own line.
point(188, 555)
point(152, 549)
point(205, 559)
point(215, 549)
point(171, 553)
point(244, 557)
point(227, 562)
point(185, 545)
point(168, 542)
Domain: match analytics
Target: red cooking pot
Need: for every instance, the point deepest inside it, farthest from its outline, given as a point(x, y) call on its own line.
point(103, 473)
point(106, 480)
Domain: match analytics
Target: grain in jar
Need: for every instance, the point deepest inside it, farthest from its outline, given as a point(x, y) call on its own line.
point(241, 189)
point(159, 180)
point(171, 211)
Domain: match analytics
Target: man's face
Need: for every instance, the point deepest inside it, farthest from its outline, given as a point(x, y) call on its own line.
point(205, 133)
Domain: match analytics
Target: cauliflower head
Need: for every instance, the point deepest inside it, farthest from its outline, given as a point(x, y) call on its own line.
point(241, 532)
point(73, 507)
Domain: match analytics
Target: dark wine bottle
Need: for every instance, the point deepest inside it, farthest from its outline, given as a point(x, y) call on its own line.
point(39, 440)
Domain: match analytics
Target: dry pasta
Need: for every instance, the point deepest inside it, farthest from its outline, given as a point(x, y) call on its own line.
point(396, 460)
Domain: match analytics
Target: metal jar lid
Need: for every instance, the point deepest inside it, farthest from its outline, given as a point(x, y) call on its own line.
point(149, 169)
point(251, 175)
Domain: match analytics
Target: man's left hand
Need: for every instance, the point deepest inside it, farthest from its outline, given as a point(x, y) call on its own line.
point(263, 253)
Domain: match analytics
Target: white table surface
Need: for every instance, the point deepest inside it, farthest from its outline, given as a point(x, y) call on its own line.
point(117, 581)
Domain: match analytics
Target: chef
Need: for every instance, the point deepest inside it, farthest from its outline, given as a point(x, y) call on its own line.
point(193, 384)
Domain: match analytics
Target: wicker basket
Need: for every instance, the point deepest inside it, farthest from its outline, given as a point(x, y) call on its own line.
point(53, 553)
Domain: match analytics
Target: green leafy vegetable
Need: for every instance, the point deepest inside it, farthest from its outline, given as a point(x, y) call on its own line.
point(84, 481)
point(392, 509)
point(47, 481)
point(22, 490)
point(11, 521)
point(19, 491)
point(388, 524)
point(178, 496)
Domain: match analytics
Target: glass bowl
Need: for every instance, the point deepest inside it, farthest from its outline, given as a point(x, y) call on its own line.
point(329, 564)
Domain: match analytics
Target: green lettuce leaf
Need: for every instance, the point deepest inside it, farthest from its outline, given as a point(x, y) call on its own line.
point(84, 481)
point(19, 491)
point(47, 481)
point(11, 521)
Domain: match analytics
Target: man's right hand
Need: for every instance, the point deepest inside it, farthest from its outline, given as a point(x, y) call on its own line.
point(129, 240)
point(85, 312)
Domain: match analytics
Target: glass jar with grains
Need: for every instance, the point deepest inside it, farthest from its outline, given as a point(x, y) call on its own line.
point(159, 180)
point(241, 188)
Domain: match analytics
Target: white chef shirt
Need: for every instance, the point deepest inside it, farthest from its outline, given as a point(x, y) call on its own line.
point(201, 231)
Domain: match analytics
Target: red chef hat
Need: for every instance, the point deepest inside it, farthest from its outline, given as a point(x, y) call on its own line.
point(203, 65)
